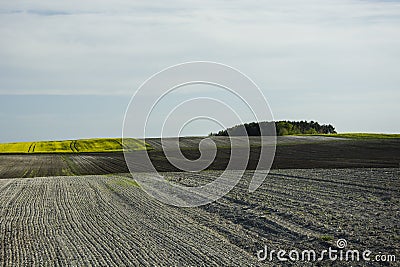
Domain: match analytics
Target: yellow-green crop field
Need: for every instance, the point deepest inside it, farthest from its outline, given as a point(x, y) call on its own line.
point(363, 135)
point(76, 146)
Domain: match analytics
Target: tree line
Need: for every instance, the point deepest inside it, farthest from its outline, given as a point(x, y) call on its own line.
point(281, 128)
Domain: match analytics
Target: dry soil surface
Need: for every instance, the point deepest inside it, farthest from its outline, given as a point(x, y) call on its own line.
point(107, 220)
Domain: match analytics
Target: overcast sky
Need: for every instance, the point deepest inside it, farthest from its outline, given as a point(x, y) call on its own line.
point(332, 61)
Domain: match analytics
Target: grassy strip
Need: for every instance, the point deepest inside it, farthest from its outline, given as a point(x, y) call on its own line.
point(359, 135)
point(76, 146)
point(124, 182)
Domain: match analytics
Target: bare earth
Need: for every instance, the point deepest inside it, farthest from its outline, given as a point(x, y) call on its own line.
point(292, 152)
point(107, 220)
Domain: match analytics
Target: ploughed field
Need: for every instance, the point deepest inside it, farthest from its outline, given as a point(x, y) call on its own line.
point(86, 209)
point(291, 152)
point(108, 220)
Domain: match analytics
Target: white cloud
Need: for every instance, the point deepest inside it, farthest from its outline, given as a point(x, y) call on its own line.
point(290, 48)
point(98, 46)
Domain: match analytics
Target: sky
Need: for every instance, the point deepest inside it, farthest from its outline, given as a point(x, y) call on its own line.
point(69, 68)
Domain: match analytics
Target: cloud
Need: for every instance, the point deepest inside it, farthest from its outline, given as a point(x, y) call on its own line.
point(98, 46)
point(289, 48)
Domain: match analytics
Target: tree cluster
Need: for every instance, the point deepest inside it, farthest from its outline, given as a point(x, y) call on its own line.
point(281, 128)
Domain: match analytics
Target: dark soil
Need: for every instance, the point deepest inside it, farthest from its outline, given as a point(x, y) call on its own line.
point(379, 153)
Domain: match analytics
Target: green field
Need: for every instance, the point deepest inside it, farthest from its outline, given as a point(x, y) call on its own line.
point(362, 135)
point(75, 146)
